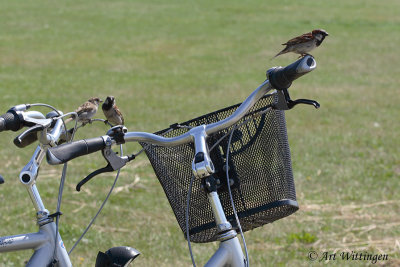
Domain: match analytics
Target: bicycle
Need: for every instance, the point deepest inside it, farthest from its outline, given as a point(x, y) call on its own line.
point(192, 160)
point(48, 246)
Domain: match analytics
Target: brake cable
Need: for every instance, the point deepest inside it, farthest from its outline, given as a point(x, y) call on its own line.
point(100, 209)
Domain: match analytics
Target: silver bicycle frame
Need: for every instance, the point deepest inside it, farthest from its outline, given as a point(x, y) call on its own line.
point(43, 241)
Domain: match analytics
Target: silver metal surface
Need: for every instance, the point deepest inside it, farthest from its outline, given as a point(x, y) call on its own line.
point(218, 211)
point(156, 139)
point(28, 177)
point(205, 167)
point(224, 227)
point(24, 241)
point(21, 107)
point(34, 115)
point(264, 88)
point(37, 118)
point(30, 171)
point(43, 244)
point(112, 158)
point(306, 65)
point(52, 138)
point(229, 253)
point(35, 197)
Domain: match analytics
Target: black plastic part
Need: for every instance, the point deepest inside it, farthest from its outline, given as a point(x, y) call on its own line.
point(107, 168)
point(281, 78)
point(210, 184)
point(1, 179)
point(293, 103)
point(285, 102)
point(28, 137)
point(199, 157)
point(11, 121)
point(117, 256)
point(66, 152)
point(119, 137)
point(56, 214)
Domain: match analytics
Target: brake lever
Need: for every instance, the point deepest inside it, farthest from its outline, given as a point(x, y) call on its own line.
point(29, 121)
point(292, 103)
point(285, 102)
point(114, 163)
point(107, 168)
point(29, 136)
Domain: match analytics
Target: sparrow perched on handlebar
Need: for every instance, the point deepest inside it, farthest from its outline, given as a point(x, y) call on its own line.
point(87, 110)
point(112, 112)
point(304, 43)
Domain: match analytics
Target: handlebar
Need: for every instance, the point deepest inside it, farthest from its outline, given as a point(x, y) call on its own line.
point(10, 121)
point(279, 78)
point(17, 118)
point(65, 152)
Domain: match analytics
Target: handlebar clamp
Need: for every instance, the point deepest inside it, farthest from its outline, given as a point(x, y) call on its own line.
point(202, 165)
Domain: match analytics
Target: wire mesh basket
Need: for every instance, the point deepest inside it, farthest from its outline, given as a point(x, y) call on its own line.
point(259, 168)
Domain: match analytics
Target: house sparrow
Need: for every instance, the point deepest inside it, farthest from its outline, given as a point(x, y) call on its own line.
point(87, 110)
point(112, 112)
point(304, 43)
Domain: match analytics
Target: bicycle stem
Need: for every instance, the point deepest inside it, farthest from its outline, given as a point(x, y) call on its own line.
point(30, 171)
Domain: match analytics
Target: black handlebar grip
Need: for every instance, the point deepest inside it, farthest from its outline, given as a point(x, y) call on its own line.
point(10, 121)
point(66, 152)
point(22, 141)
point(281, 78)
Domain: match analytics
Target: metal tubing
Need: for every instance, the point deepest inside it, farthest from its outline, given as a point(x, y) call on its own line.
point(44, 254)
point(24, 241)
point(28, 177)
point(217, 209)
point(264, 88)
point(52, 137)
point(229, 253)
point(156, 139)
point(35, 197)
point(43, 244)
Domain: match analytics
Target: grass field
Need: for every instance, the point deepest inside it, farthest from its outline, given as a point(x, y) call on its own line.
point(170, 61)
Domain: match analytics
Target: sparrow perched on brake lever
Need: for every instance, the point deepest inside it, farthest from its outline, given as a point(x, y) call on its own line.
point(112, 112)
point(304, 43)
point(87, 110)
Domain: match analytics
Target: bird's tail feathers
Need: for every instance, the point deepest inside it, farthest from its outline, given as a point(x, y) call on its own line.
point(284, 51)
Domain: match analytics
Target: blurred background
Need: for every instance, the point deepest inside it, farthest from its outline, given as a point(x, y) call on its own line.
point(170, 61)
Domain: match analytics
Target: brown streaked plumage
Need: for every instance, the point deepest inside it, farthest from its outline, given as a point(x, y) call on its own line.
point(112, 112)
point(87, 110)
point(304, 43)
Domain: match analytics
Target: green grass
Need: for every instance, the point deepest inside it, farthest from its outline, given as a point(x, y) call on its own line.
point(168, 62)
